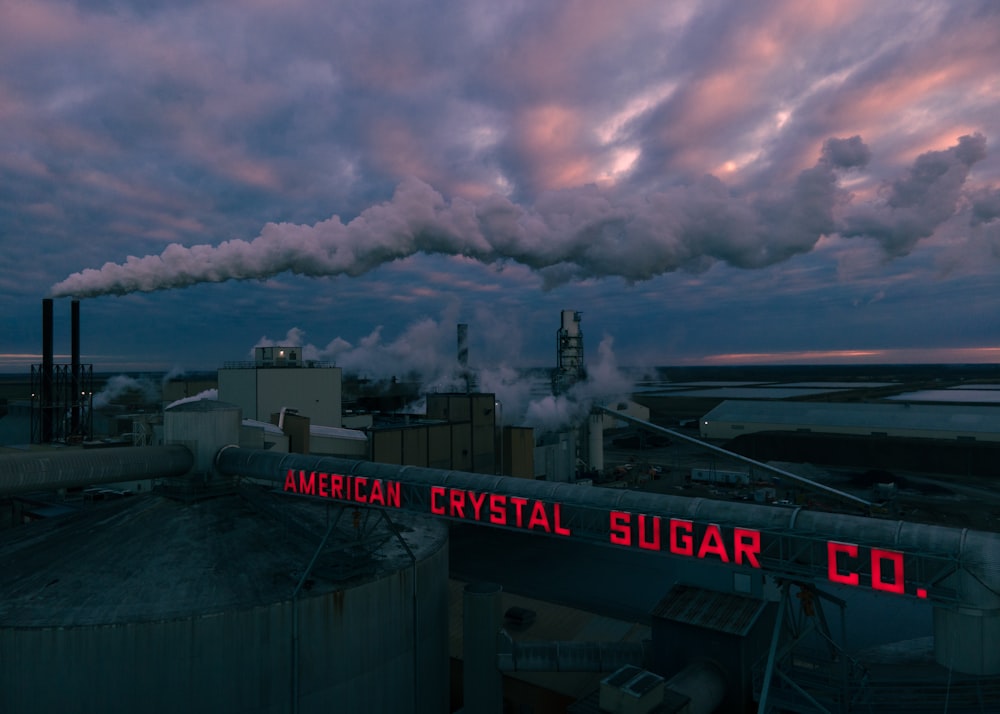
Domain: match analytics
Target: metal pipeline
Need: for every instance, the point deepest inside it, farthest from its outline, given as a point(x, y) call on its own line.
point(966, 563)
point(49, 471)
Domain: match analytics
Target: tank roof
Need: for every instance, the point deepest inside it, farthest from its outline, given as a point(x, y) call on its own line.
point(147, 557)
point(887, 415)
point(202, 405)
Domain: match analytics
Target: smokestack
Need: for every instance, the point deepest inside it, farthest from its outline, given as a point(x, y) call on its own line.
point(46, 395)
point(463, 345)
point(463, 354)
point(75, 366)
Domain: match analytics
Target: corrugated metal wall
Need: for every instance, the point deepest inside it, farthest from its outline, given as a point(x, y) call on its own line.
point(356, 654)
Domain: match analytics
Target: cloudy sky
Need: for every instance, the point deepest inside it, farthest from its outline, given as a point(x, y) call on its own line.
point(707, 182)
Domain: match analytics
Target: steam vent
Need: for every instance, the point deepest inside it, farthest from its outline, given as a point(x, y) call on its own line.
point(249, 601)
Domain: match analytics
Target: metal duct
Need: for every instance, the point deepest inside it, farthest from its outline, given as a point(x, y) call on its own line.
point(20, 473)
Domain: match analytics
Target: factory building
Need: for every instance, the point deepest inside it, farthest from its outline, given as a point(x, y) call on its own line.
point(458, 431)
point(261, 576)
point(735, 417)
point(570, 365)
point(295, 405)
point(279, 378)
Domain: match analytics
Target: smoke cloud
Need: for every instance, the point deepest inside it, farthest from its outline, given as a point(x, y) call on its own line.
point(915, 205)
point(119, 386)
point(212, 394)
point(605, 383)
point(985, 207)
point(567, 235)
point(427, 349)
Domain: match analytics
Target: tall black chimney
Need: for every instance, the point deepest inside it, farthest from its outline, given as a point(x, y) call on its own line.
point(47, 408)
point(75, 367)
point(463, 353)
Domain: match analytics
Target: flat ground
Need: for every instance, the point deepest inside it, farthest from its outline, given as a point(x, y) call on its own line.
point(942, 499)
point(957, 500)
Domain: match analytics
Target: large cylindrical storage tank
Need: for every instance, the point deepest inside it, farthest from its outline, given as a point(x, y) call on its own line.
point(966, 634)
point(248, 602)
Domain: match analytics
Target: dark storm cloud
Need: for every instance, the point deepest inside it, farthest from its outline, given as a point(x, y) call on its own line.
point(915, 205)
point(985, 206)
point(557, 142)
point(569, 234)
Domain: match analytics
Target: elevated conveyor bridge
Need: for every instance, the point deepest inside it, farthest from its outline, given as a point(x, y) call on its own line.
point(956, 571)
point(945, 566)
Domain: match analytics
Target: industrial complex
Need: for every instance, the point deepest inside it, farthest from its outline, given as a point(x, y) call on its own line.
point(274, 539)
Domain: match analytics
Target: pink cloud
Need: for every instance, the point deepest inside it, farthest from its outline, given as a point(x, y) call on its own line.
point(550, 138)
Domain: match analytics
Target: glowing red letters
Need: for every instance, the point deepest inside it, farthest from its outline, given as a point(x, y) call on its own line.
point(842, 553)
point(356, 489)
point(846, 563)
point(498, 509)
point(678, 536)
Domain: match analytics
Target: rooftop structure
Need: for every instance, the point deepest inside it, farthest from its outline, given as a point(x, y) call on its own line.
point(279, 379)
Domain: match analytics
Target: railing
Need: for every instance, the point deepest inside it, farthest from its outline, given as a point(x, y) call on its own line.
point(302, 364)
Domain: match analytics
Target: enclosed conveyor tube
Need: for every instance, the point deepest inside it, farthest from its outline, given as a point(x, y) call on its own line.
point(958, 571)
point(50, 471)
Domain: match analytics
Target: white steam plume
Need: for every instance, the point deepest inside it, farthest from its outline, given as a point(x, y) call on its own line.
point(427, 349)
point(567, 235)
point(212, 394)
point(605, 383)
point(118, 386)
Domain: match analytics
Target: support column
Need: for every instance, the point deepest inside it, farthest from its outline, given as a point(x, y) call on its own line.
point(482, 682)
point(47, 396)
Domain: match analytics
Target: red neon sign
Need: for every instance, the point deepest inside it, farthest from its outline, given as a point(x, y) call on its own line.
point(886, 568)
point(356, 489)
point(503, 509)
point(847, 563)
point(679, 537)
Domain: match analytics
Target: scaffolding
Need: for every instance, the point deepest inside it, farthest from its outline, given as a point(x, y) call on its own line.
point(62, 403)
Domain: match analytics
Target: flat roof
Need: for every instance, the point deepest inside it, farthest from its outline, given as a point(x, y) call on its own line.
point(729, 613)
point(962, 418)
point(758, 392)
point(965, 395)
